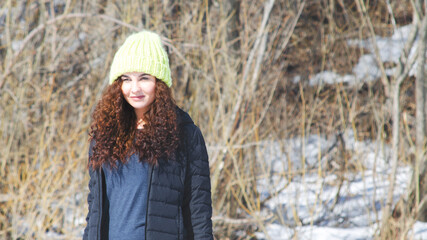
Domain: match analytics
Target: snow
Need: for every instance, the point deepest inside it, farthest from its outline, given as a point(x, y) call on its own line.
point(277, 232)
point(328, 77)
point(367, 69)
point(390, 48)
point(313, 205)
point(304, 206)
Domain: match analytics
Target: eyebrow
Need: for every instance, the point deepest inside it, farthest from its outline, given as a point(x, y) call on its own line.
point(142, 75)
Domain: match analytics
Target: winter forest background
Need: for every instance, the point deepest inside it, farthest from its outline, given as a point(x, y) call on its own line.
point(313, 111)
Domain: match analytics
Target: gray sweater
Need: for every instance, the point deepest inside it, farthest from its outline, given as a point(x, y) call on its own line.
point(127, 187)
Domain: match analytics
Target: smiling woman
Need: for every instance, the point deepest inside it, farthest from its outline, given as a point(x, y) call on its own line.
point(139, 91)
point(148, 165)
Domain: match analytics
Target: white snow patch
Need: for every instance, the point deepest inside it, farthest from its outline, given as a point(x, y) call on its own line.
point(367, 69)
point(312, 204)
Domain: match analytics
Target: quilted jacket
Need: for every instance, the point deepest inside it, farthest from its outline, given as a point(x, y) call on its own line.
point(179, 193)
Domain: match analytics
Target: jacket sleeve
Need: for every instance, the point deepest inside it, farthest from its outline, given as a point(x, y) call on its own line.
point(197, 205)
point(90, 195)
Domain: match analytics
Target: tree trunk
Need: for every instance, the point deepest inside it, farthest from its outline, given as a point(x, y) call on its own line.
point(418, 188)
point(404, 66)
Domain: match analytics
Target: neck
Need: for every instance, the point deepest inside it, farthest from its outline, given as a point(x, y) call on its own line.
point(139, 114)
point(139, 119)
point(140, 123)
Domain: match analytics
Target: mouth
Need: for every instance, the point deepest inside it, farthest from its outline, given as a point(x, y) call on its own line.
point(137, 97)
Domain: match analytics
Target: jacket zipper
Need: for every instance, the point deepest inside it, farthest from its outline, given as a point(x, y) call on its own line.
point(179, 221)
point(100, 203)
point(150, 174)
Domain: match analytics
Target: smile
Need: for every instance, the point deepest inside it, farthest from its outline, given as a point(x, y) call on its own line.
point(137, 97)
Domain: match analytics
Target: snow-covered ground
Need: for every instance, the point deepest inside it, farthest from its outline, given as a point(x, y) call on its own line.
point(310, 207)
point(318, 206)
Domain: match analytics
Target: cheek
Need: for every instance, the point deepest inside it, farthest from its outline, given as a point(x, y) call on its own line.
point(153, 89)
point(149, 88)
point(125, 89)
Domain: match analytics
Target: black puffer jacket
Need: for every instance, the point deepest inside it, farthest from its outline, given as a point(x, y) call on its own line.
point(179, 193)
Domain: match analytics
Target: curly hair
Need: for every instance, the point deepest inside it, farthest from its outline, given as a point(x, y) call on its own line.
point(114, 128)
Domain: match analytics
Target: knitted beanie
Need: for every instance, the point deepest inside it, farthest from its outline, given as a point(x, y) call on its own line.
point(142, 52)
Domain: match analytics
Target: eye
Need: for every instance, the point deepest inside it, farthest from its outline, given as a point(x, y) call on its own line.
point(124, 79)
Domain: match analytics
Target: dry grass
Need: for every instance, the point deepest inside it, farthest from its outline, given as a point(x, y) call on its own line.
point(232, 70)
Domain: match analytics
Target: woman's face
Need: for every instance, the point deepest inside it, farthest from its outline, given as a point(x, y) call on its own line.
point(139, 91)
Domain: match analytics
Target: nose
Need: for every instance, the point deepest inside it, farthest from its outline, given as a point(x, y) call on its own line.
point(135, 87)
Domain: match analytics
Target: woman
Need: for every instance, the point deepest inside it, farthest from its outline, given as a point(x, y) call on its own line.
point(148, 165)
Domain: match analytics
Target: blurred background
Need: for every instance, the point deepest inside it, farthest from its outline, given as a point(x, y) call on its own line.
point(305, 106)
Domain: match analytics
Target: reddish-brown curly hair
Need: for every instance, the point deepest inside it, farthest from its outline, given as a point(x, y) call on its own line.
point(114, 128)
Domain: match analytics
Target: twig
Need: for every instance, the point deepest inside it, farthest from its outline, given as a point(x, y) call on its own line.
point(291, 29)
point(267, 10)
point(240, 221)
point(367, 20)
point(390, 11)
point(54, 21)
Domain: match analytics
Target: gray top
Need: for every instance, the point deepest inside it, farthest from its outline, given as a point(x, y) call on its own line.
point(127, 187)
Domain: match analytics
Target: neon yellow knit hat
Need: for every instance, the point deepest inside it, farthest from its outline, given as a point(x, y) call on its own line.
point(142, 52)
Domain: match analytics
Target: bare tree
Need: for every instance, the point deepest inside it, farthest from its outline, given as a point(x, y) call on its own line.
point(404, 66)
point(416, 207)
point(392, 90)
